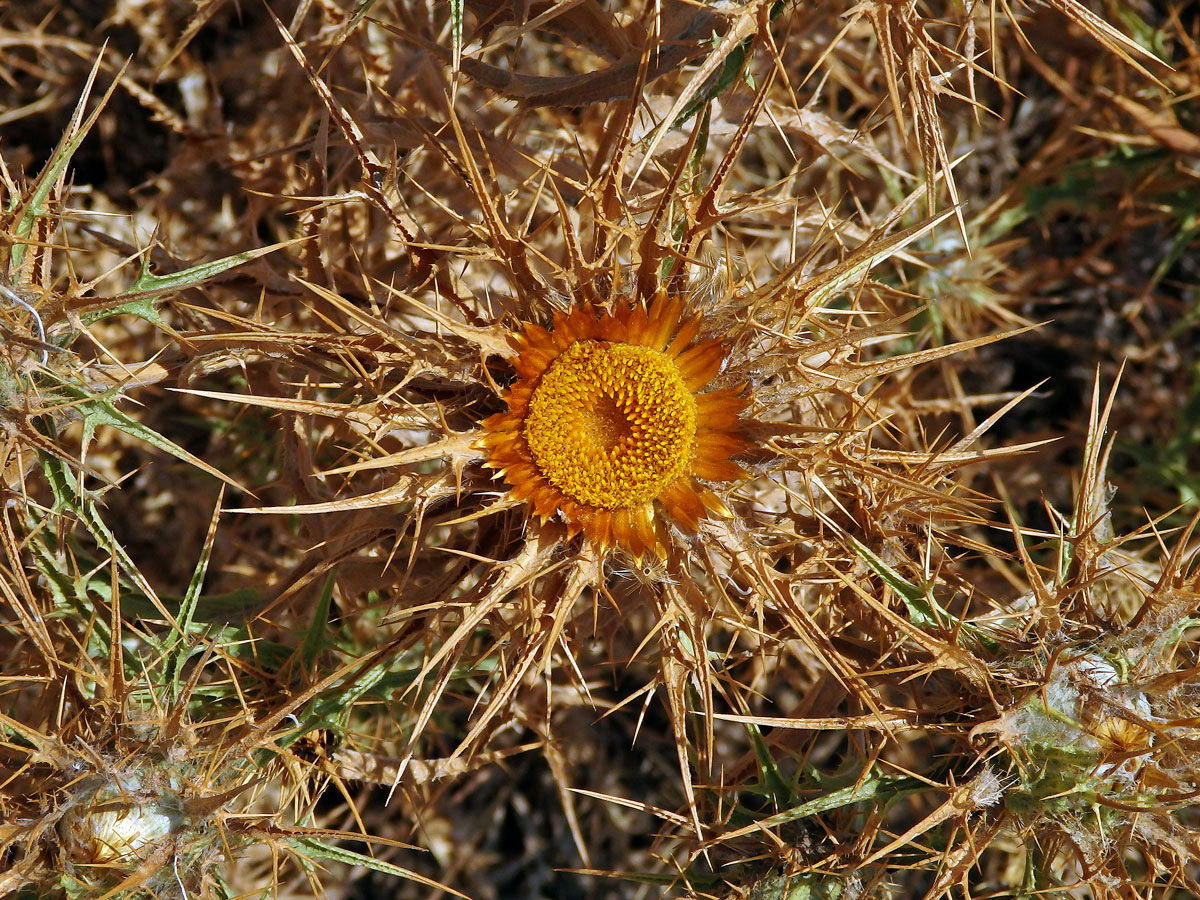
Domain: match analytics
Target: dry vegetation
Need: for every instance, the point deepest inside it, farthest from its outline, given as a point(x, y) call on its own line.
point(302, 592)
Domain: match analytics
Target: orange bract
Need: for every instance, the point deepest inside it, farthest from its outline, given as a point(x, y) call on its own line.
point(606, 420)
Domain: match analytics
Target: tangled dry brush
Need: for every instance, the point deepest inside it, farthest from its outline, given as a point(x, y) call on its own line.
point(576, 450)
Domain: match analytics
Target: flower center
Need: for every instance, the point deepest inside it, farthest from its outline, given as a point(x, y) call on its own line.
point(610, 424)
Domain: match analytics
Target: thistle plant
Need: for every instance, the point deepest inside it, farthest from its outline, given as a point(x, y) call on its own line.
point(134, 759)
point(629, 469)
point(1099, 740)
point(659, 409)
point(54, 368)
point(1078, 732)
point(163, 763)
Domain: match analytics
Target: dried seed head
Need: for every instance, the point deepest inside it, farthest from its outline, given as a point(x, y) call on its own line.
point(115, 824)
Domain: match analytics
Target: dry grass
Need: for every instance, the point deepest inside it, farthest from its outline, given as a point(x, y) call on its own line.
point(276, 619)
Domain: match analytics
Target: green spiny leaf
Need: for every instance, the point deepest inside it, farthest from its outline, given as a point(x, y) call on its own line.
point(56, 165)
point(310, 848)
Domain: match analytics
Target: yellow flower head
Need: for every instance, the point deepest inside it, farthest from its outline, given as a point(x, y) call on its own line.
point(606, 425)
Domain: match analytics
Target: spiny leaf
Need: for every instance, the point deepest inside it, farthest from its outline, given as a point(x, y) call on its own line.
point(874, 787)
point(310, 848)
point(315, 638)
point(33, 208)
point(923, 608)
point(177, 647)
point(140, 297)
point(69, 494)
point(99, 409)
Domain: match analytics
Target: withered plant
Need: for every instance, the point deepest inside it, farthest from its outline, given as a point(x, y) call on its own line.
point(637, 437)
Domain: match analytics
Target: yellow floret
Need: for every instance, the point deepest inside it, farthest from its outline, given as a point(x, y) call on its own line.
point(611, 424)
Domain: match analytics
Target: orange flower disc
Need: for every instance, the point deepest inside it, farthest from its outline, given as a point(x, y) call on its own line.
point(606, 424)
